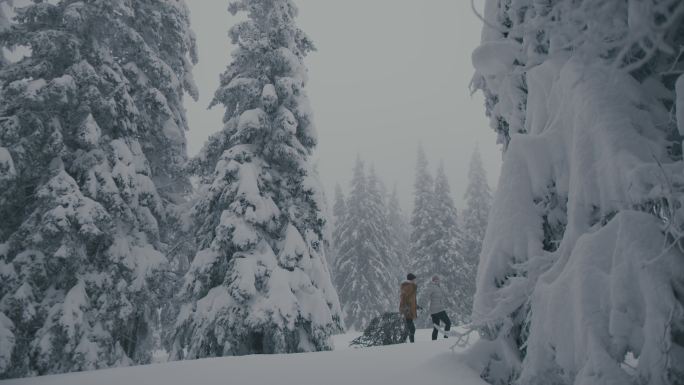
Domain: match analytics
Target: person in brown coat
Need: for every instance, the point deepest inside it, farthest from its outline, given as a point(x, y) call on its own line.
point(408, 305)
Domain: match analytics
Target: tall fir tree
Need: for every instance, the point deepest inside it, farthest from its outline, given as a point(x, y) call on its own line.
point(400, 231)
point(6, 7)
point(422, 235)
point(382, 232)
point(259, 282)
point(363, 274)
point(447, 259)
point(5, 22)
point(478, 199)
point(339, 213)
point(434, 236)
point(83, 117)
point(423, 225)
point(340, 206)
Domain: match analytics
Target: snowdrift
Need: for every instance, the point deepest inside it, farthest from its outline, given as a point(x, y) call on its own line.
point(425, 362)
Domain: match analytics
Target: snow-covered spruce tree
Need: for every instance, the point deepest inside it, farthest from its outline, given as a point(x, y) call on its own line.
point(259, 282)
point(447, 260)
point(400, 232)
point(4, 18)
point(340, 206)
point(581, 274)
point(6, 9)
point(339, 214)
point(382, 231)
point(165, 66)
point(441, 253)
point(81, 243)
point(363, 274)
point(423, 225)
point(5, 22)
point(478, 198)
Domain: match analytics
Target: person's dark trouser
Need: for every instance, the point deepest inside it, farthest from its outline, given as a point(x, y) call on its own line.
point(411, 328)
point(436, 318)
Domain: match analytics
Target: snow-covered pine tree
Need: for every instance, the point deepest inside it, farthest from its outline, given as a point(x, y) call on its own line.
point(423, 225)
point(165, 26)
point(339, 214)
point(353, 255)
point(478, 198)
point(4, 17)
point(400, 232)
point(581, 274)
point(363, 277)
point(6, 10)
point(259, 282)
point(5, 7)
point(381, 234)
point(447, 259)
point(340, 206)
point(440, 255)
point(82, 246)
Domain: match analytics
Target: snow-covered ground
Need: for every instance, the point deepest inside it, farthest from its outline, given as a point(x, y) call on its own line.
point(424, 363)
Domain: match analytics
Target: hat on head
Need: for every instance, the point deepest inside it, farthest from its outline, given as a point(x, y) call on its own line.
point(410, 276)
point(435, 278)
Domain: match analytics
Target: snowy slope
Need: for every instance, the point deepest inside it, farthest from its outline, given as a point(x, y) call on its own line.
point(424, 363)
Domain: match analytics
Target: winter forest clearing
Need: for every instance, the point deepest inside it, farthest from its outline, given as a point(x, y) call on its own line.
point(338, 183)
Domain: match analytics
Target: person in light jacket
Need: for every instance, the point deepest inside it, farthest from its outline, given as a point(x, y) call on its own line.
point(438, 299)
point(408, 305)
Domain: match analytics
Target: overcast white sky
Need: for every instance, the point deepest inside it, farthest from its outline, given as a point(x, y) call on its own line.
point(388, 74)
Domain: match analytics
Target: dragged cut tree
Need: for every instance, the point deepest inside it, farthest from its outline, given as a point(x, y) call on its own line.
point(259, 281)
point(83, 122)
